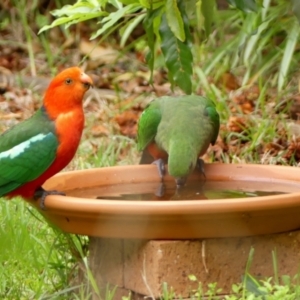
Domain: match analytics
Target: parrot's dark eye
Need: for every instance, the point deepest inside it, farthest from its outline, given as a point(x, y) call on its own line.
point(68, 81)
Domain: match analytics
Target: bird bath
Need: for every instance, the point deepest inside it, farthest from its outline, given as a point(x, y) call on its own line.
point(176, 219)
point(138, 244)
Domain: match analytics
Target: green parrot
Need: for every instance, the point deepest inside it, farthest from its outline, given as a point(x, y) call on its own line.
point(178, 130)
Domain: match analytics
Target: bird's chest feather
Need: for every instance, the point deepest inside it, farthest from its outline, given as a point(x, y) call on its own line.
point(69, 127)
point(157, 152)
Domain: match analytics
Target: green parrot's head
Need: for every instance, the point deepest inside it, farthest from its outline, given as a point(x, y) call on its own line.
point(180, 181)
point(181, 163)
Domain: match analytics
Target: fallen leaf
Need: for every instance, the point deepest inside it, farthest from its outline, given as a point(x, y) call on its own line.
point(291, 106)
point(236, 124)
point(229, 81)
point(245, 97)
point(128, 122)
point(99, 130)
point(293, 150)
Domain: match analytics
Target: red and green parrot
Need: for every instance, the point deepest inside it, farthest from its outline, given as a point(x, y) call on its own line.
point(39, 147)
point(178, 130)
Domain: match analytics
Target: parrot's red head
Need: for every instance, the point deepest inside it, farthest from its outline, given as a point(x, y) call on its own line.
point(66, 91)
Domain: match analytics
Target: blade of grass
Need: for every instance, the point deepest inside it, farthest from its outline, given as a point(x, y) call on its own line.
point(275, 266)
point(21, 7)
point(288, 54)
point(248, 265)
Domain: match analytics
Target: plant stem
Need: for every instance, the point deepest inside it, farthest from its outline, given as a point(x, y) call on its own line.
point(21, 7)
point(275, 266)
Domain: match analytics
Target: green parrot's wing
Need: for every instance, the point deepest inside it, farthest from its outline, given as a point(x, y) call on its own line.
point(211, 111)
point(26, 151)
point(148, 123)
point(26, 161)
point(24, 131)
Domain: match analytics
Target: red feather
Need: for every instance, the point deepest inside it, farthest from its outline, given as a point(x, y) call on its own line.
point(156, 152)
point(63, 103)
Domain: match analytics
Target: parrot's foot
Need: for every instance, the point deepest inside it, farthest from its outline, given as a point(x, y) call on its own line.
point(161, 167)
point(160, 191)
point(200, 166)
point(41, 193)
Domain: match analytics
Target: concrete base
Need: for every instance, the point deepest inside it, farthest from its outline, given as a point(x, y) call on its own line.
point(142, 266)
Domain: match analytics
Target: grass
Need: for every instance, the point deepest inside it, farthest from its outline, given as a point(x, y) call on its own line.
point(39, 261)
point(36, 260)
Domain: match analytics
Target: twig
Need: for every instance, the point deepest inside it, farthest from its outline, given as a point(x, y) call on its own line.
point(143, 273)
point(203, 256)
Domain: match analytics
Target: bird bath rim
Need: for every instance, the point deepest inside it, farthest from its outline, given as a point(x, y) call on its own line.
point(186, 219)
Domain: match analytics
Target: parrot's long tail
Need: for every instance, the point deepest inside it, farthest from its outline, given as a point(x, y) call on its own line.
point(146, 158)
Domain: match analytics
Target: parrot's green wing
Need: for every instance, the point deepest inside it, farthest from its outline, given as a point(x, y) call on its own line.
point(26, 152)
point(211, 111)
point(26, 161)
point(148, 123)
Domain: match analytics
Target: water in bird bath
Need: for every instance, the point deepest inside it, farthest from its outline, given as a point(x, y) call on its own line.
point(194, 190)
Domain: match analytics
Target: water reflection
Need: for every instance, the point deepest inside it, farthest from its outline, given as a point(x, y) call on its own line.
point(194, 190)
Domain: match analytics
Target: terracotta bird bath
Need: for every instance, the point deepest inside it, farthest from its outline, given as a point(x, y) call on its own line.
point(176, 219)
point(140, 241)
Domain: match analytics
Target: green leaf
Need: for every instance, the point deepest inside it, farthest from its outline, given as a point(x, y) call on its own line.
point(94, 3)
point(83, 7)
point(175, 20)
point(292, 39)
point(207, 10)
point(149, 24)
point(186, 24)
point(296, 9)
point(126, 2)
point(253, 42)
point(60, 21)
point(41, 20)
point(116, 3)
point(192, 277)
point(244, 5)
point(190, 8)
point(69, 15)
point(236, 288)
point(69, 10)
point(178, 57)
point(253, 285)
point(145, 3)
point(127, 30)
point(286, 280)
point(114, 17)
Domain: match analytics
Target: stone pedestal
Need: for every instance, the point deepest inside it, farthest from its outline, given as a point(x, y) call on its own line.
point(142, 266)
